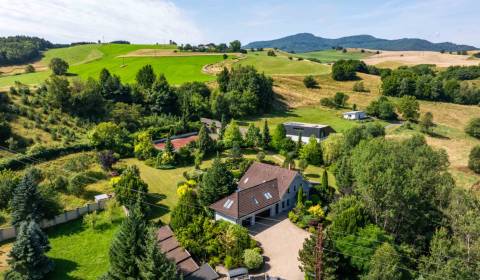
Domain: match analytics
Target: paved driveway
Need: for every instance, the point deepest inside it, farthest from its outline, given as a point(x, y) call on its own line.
point(281, 240)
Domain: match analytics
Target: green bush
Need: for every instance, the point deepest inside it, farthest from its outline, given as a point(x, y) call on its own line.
point(228, 262)
point(310, 82)
point(473, 128)
point(77, 183)
point(60, 183)
point(474, 159)
point(252, 259)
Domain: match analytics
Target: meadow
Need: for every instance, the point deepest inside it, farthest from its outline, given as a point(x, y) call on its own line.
point(328, 56)
point(282, 65)
point(88, 60)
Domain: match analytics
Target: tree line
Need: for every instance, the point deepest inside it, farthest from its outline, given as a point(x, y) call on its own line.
point(21, 49)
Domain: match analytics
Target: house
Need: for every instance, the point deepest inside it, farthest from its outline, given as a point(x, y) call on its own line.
point(213, 125)
point(295, 129)
point(178, 141)
point(355, 115)
point(186, 265)
point(264, 191)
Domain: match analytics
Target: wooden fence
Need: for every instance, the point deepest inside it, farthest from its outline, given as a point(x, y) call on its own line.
point(10, 232)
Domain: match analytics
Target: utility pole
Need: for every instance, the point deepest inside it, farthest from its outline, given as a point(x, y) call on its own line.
point(319, 253)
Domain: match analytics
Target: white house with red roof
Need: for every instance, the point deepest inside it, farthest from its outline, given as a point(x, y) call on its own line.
point(264, 191)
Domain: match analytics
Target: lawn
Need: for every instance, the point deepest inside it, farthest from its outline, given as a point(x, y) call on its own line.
point(334, 55)
point(162, 184)
point(87, 61)
point(281, 65)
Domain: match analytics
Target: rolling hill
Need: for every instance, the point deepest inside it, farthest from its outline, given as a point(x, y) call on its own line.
point(306, 42)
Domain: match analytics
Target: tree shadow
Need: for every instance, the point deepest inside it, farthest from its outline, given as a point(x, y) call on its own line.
point(437, 135)
point(157, 209)
point(62, 269)
point(312, 175)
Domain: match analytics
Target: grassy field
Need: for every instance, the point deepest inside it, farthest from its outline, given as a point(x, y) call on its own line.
point(87, 61)
point(328, 56)
point(282, 65)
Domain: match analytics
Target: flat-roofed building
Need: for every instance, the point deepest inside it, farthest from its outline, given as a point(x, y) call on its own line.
point(295, 130)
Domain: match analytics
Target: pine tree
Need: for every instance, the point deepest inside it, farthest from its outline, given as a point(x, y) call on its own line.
point(169, 148)
point(299, 145)
point(27, 258)
point(223, 127)
point(266, 138)
point(325, 180)
point(252, 139)
point(130, 187)
point(300, 196)
point(154, 265)
point(127, 248)
point(205, 143)
point(182, 213)
point(223, 78)
point(217, 183)
point(27, 201)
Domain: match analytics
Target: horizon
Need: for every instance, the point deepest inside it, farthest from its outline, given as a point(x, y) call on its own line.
point(187, 21)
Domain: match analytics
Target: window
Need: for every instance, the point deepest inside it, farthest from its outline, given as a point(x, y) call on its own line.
point(267, 195)
point(245, 181)
point(294, 188)
point(255, 200)
point(283, 204)
point(288, 202)
point(228, 204)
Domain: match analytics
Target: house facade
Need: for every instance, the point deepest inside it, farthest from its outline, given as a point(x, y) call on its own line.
point(264, 191)
point(294, 130)
point(355, 115)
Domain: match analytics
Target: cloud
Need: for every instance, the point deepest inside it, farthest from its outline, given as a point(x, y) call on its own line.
point(63, 21)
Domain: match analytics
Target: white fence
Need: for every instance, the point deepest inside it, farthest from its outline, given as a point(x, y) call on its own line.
point(10, 232)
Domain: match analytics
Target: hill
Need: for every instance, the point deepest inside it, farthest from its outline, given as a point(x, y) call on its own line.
point(306, 42)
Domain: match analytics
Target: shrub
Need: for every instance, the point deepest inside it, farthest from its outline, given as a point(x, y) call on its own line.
point(228, 262)
point(252, 259)
point(473, 128)
point(271, 53)
point(90, 220)
point(60, 183)
point(474, 159)
point(359, 87)
point(29, 69)
point(310, 82)
point(77, 183)
point(261, 156)
point(293, 217)
point(327, 102)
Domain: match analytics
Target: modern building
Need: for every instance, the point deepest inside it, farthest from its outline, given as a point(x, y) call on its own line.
point(355, 115)
point(305, 130)
point(264, 191)
point(185, 264)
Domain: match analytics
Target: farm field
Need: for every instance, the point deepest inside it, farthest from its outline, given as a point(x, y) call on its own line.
point(328, 56)
point(394, 59)
point(87, 61)
point(282, 65)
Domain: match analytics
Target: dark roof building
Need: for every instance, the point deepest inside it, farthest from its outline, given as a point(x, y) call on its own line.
point(186, 265)
point(264, 190)
point(295, 129)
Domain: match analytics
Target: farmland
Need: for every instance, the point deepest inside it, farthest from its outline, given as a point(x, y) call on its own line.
point(87, 61)
point(328, 56)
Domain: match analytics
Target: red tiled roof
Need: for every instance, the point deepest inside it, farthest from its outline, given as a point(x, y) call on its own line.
point(178, 143)
point(249, 200)
point(262, 172)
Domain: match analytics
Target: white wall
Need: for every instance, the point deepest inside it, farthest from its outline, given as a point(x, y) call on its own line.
point(221, 217)
point(304, 138)
point(292, 195)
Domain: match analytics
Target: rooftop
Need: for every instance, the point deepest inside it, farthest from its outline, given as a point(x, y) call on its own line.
point(353, 112)
point(306, 124)
point(177, 143)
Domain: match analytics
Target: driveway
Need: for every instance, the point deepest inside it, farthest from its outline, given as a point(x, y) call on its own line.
point(281, 240)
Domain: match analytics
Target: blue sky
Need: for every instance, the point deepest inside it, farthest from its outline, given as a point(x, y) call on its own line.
point(199, 21)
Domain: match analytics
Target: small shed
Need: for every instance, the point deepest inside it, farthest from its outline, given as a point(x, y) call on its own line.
point(355, 115)
point(101, 197)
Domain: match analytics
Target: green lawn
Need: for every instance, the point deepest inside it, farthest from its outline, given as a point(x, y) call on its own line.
point(87, 61)
point(333, 55)
point(162, 184)
point(281, 65)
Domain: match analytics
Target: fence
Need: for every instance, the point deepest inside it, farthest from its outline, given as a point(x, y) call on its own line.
point(10, 232)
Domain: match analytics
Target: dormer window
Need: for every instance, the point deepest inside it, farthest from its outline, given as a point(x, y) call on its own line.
point(228, 204)
point(267, 195)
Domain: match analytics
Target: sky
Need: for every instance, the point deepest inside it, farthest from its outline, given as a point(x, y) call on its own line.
point(204, 21)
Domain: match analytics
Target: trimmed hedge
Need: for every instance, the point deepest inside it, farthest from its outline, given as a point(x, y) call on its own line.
point(19, 161)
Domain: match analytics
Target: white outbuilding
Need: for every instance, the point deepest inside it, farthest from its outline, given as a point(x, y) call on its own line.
point(355, 115)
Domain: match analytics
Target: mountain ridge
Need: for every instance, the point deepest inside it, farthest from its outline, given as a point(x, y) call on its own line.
point(306, 42)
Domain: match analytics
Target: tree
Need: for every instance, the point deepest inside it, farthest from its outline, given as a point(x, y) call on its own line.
point(130, 187)
point(340, 99)
point(232, 134)
point(5, 130)
point(161, 98)
point(253, 137)
point(359, 87)
point(312, 152)
point(310, 82)
point(252, 259)
point(146, 76)
point(300, 196)
point(332, 148)
point(343, 174)
point(343, 70)
point(474, 159)
point(107, 159)
point(217, 183)
point(382, 108)
point(127, 248)
point(385, 264)
point(27, 200)
point(154, 264)
point(325, 180)
point(205, 143)
point(278, 135)
point(8, 182)
point(426, 122)
point(222, 79)
point(27, 258)
point(182, 213)
point(330, 259)
point(408, 106)
point(473, 128)
point(58, 92)
point(389, 175)
point(235, 46)
point(143, 147)
point(109, 136)
point(58, 66)
point(29, 69)
point(266, 138)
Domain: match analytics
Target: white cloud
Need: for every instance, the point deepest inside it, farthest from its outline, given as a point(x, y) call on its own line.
point(139, 21)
